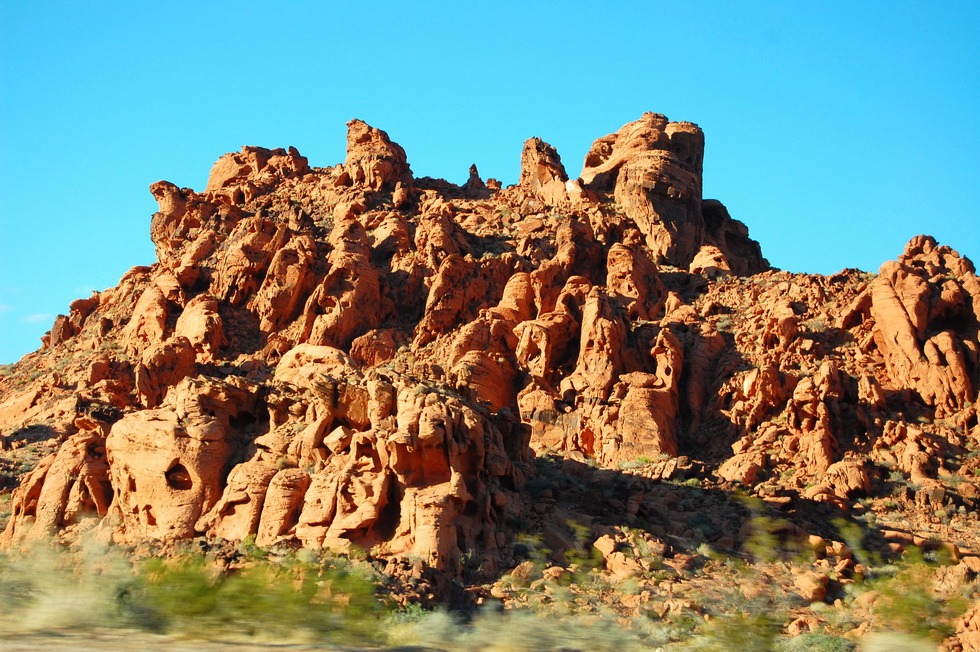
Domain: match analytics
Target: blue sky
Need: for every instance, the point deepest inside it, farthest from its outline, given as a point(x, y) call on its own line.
point(836, 130)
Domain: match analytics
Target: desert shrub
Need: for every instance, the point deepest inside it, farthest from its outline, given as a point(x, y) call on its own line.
point(189, 595)
point(526, 631)
point(815, 643)
point(816, 325)
point(895, 642)
point(766, 542)
point(908, 603)
point(50, 589)
point(748, 630)
point(736, 619)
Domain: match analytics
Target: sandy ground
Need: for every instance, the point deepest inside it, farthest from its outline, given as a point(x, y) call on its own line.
point(144, 642)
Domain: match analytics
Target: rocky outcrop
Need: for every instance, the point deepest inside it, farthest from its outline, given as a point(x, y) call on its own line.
point(350, 358)
point(167, 465)
point(711, 262)
point(67, 486)
point(373, 160)
point(657, 189)
point(240, 177)
point(742, 254)
point(649, 411)
point(926, 311)
point(201, 323)
point(148, 324)
point(632, 276)
point(347, 301)
point(652, 167)
point(163, 366)
point(542, 172)
point(369, 463)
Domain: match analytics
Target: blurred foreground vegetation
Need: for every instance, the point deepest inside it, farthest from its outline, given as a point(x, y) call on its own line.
point(305, 596)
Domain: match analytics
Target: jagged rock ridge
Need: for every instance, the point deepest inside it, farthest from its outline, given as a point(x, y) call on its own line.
point(351, 357)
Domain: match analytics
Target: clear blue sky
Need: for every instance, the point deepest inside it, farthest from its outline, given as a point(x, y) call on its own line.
point(835, 130)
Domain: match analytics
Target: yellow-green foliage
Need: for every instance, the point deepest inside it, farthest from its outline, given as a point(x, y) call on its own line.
point(308, 596)
point(190, 596)
point(755, 630)
point(909, 603)
point(764, 544)
point(527, 631)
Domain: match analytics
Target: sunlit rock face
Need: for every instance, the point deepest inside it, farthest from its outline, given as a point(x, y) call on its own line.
point(350, 358)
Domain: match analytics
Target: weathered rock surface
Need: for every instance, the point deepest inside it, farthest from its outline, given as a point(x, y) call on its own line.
point(351, 358)
point(653, 169)
point(925, 308)
point(373, 161)
point(542, 172)
point(241, 176)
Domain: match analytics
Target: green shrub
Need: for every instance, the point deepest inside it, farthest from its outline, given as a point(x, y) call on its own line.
point(909, 604)
point(526, 631)
point(749, 630)
point(815, 643)
point(190, 595)
point(50, 589)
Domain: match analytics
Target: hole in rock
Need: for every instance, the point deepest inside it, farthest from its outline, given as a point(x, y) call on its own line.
point(241, 419)
point(178, 478)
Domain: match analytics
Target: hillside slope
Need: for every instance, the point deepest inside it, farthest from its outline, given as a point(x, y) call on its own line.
point(356, 359)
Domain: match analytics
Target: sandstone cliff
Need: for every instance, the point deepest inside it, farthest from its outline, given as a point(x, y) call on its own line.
point(352, 358)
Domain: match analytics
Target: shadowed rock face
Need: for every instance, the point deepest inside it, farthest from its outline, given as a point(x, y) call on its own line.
point(348, 357)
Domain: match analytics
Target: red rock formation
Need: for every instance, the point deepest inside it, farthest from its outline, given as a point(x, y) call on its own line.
point(924, 308)
point(148, 325)
point(373, 160)
point(632, 275)
point(163, 366)
point(201, 323)
point(287, 283)
point(653, 168)
point(658, 190)
point(348, 357)
point(66, 486)
point(241, 176)
point(167, 464)
point(711, 262)
point(649, 411)
point(347, 300)
point(241, 267)
point(542, 172)
point(742, 254)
